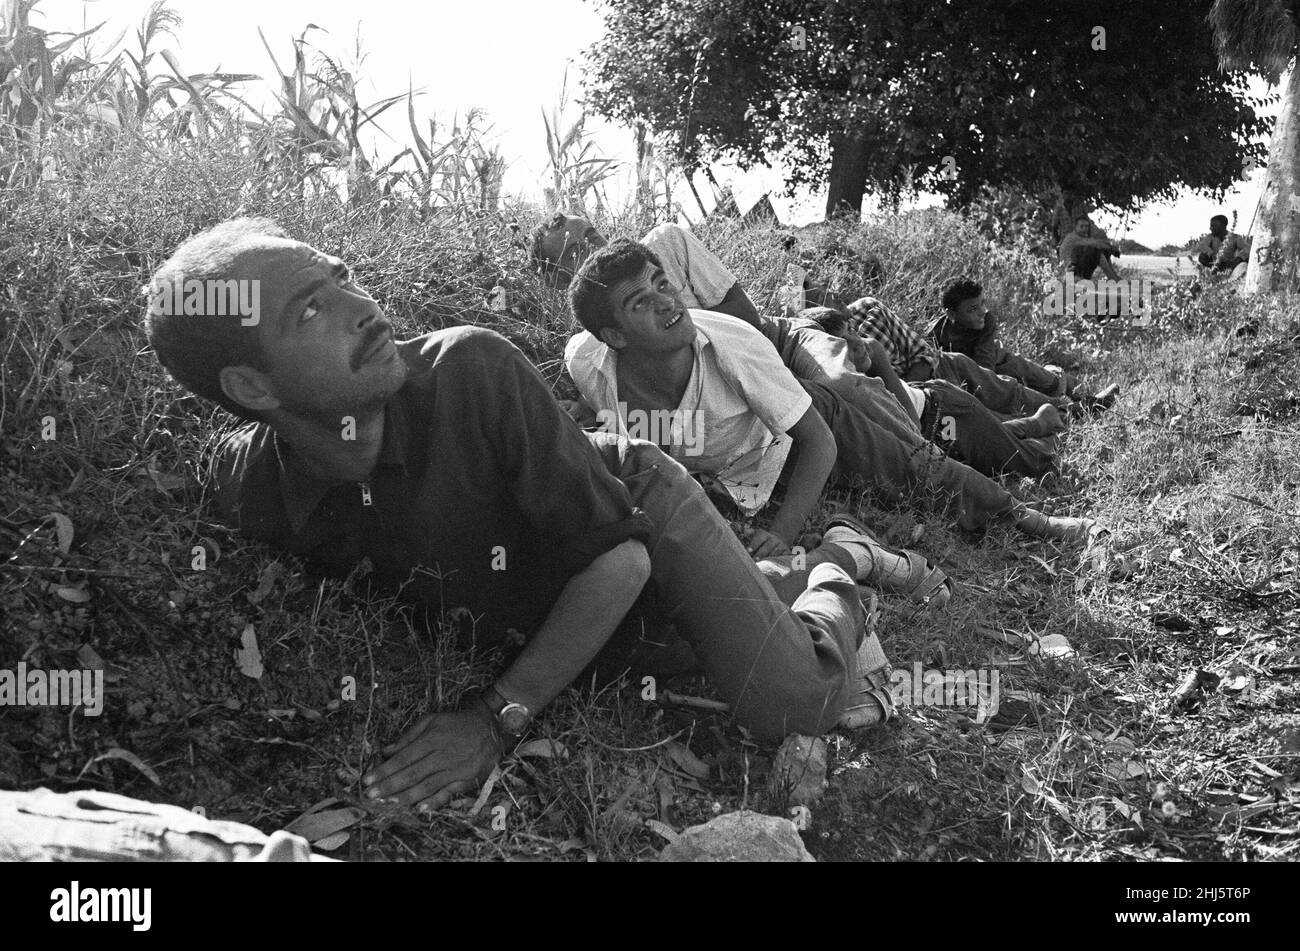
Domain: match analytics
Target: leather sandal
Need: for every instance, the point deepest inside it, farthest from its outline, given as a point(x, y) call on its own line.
point(925, 583)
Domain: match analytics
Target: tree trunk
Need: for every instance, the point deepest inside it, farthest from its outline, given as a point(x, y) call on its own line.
point(848, 177)
point(1276, 229)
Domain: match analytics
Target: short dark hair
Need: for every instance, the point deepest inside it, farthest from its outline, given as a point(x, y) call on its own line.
point(1223, 218)
point(620, 260)
point(960, 290)
point(1087, 218)
point(827, 318)
point(196, 348)
point(544, 266)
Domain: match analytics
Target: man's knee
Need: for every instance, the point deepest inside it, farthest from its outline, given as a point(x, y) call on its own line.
point(808, 708)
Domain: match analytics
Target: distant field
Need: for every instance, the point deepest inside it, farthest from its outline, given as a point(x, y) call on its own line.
point(1157, 266)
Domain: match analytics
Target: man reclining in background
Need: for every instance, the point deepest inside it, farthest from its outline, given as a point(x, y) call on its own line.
point(968, 327)
point(644, 351)
point(916, 360)
point(950, 417)
point(436, 458)
point(563, 242)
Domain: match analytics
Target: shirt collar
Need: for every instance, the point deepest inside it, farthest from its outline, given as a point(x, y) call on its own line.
point(301, 492)
point(606, 367)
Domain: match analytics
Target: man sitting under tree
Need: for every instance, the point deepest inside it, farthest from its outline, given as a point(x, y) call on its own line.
point(1087, 247)
point(1223, 251)
point(446, 462)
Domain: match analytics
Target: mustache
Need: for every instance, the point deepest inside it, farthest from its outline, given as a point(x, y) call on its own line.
point(372, 336)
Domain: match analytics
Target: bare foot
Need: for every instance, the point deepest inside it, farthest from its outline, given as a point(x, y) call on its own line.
point(1051, 420)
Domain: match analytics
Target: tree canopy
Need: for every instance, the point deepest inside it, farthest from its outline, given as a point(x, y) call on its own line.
point(1117, 102)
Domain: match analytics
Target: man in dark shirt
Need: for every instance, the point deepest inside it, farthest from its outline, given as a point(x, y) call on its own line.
point(968, 327)
point(446, 462)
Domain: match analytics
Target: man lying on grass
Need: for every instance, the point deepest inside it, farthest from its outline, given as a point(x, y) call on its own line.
point(969, 328)
point(917, 360)
point(446, 462)
point(949, 416)
point(563, 242)
point(644, 352)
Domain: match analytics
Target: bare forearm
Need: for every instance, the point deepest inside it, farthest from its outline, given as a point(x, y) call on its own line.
point(737, 304)
point(883, 368)
point(584, 616)
point(811, 470)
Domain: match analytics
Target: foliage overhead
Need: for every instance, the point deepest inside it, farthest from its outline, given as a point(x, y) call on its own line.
point(1017, 93)
point(1255, 35)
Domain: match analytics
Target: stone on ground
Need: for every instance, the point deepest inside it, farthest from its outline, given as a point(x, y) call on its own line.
point(739, 837)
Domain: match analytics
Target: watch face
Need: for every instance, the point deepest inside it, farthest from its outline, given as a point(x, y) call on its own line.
point(514, 718)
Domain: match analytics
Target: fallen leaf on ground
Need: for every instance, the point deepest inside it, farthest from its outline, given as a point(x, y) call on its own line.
point(62, 530)
point(654, 825)
point(543, 749)
point(314, 826)
point(266, 582)
point(249, 657)
point(1052, 645)
point(687, 760)
point(1235, 679)
point(127, 757)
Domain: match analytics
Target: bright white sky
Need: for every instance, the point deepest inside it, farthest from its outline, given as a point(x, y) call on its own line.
point(508, 57)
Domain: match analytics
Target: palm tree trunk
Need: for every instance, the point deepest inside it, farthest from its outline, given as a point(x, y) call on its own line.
point(1275, 252)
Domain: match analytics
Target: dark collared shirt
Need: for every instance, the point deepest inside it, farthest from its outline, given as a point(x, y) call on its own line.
point(980, 345)
point(485, 494)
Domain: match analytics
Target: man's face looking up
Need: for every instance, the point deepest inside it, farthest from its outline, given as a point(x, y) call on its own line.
point(566, 245)
point(328, 349)
point(971, 313)
point(649, 314)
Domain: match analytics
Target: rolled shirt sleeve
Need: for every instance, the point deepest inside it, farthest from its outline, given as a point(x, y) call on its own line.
point(700, 275)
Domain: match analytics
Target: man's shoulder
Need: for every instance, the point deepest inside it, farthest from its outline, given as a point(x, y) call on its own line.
point(584, 347)
point(455, 342)
point(245, 456)
point(722, 329)
point(667, 233)
point(739, 350)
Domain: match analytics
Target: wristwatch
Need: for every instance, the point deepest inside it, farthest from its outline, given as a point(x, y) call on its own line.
point(512, 718)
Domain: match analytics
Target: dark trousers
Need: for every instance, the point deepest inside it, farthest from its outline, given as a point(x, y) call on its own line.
point(895, 463)
point(966, 429)
point(777, 639)
point(1001, 394)
point(1033, 375)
